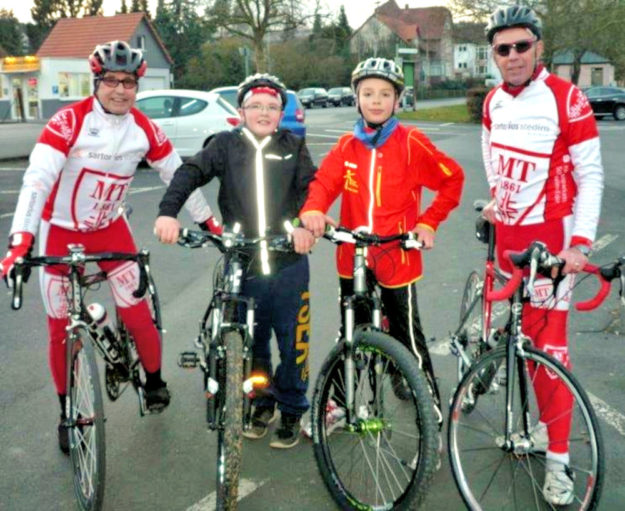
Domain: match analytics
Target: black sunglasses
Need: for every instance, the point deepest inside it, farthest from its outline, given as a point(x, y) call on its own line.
point(503, 50)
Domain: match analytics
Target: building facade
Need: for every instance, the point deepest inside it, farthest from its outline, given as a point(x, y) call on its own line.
point(35, 87)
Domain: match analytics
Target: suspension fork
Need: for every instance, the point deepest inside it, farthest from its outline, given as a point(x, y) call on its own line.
point(349, 322)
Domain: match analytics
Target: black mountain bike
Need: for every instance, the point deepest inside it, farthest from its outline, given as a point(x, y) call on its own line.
point(225, 351)
point(83, 406)
point(384, 452)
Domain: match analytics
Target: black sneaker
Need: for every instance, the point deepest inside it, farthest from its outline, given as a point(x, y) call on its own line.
point(157, 399)
point(288, 434)
point(63, 432)
point(261, 418)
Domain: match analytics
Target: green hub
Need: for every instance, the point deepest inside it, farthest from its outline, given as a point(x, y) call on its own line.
point(369, 426)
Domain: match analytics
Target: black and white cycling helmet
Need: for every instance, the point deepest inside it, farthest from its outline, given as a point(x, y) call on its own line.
point(117, 56)
point(259, 81)
point(378, 68)
point(513, 16)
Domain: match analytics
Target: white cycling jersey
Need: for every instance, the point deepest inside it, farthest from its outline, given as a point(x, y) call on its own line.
point(83, 163)
point(542, 155)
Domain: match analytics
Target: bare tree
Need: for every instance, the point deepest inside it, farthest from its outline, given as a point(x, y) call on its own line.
point(255, 19)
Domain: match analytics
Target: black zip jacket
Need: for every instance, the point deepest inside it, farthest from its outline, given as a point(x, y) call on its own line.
point(231, 157)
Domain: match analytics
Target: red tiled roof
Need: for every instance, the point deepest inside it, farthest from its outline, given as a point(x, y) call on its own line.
point(406, 31)
point(77, 37)
point(429, 21)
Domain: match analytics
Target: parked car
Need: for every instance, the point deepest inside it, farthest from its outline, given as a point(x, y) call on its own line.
point(312, 96)
point(340, 96)
point(293, 118)
point(190, 118)
point(607, 101)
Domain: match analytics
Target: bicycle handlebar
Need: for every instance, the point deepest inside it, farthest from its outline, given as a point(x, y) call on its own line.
point(78, 258)
point(605, 275)
point(229, 241)
point(542, 261)
point(342, 234)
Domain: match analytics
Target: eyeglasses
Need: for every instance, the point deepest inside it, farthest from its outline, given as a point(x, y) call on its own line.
point(503, 50)
point(111, 81)
point(272, 109)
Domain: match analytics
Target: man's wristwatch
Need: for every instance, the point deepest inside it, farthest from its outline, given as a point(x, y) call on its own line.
point(584, 249)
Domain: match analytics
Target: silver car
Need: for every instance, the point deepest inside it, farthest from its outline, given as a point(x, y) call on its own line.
point(189, 118)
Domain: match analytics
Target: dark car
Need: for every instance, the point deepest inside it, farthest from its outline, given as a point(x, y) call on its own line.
point(340, 96)
point(293, 118)
point(607, 101)
point(313, 96)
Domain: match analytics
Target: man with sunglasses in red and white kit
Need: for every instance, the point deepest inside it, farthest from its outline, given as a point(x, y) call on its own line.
point(541, 152)
point(78, 176)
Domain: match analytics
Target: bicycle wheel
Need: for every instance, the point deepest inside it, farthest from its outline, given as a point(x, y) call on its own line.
point(86, 419)
point(229, 443)
point(491, 475)
point(383, 454)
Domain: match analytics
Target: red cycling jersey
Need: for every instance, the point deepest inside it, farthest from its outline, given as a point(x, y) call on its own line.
point(381, 192)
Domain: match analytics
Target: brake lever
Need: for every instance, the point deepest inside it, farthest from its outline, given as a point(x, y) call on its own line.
point(533, 269)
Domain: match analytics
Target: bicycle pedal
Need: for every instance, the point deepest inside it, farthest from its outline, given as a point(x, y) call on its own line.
point(188, 360)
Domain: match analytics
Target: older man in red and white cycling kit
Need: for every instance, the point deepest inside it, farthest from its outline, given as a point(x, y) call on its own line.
point(77, 179)
point(541, 152)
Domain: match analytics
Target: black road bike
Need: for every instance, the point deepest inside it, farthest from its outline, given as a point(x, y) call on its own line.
point(84, 411)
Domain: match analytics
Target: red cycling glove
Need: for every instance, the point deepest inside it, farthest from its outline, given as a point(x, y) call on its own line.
point(20, 245)
point(212, 225)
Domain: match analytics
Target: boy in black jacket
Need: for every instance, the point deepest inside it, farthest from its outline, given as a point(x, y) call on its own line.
point(264, 174)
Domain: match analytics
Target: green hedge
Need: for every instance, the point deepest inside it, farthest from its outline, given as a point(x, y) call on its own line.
point(475, 102)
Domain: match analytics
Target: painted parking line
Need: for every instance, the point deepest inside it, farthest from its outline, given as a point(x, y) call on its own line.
point(610, 415)
point(321, 135)
point(209, 503)
point(145, 189)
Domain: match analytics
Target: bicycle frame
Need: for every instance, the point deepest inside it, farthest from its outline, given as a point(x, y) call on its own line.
point(361, 292)
point(113, 354)
point(225, 307)
point(491, 275)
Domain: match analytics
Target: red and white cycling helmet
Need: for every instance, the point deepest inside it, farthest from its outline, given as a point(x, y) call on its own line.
point(117, 56)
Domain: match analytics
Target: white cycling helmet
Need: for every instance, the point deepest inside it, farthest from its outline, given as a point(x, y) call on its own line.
point(379, 68)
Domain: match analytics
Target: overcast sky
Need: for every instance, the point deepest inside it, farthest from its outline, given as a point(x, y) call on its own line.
point(357, 10)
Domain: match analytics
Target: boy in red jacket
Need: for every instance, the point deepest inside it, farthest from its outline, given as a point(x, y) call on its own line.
point(379, 171)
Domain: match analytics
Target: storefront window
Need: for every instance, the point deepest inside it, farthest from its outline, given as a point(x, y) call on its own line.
point(72, 85)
